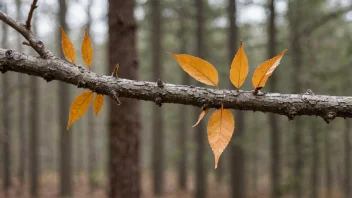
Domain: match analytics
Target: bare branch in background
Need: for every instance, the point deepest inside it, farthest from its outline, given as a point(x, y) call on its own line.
point(30, 14)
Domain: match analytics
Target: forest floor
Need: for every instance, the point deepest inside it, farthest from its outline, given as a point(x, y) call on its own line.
point(49, 188)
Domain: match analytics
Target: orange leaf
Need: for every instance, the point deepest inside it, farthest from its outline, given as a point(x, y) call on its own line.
point(239, 68)
point(98, 103)
point(201, 116)
point(198, 68)
point(220, 129)
point(79, 106)
point(87, 49)
point(67, 47)
point(263, 71)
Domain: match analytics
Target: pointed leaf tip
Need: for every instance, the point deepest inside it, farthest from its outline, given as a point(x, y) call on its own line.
point(220, 130)
point(201, 116)
point(98, 104)
point(87, 49)
point(67, 47)
point(265, 70)
point(198, 68)
point(239, 68)
point(79, 106)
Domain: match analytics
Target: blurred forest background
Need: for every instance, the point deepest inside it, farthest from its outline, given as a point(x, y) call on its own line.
point(268, 156)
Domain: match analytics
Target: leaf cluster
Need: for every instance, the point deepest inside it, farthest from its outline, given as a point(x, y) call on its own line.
point(221, 124)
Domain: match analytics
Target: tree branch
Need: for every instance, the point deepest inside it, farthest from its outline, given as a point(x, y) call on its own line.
point(291, 105)
point(37, 45)
point(30, 14)
point(50, 67)
point(323, 20)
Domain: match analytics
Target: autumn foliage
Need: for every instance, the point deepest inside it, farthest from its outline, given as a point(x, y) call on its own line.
point(221, 124)
point(82, 102)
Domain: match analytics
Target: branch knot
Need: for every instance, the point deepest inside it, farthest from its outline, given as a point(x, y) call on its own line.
point(329, 116)
point(9, 54)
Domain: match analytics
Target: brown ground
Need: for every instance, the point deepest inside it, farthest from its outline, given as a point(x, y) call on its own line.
point(49, 188)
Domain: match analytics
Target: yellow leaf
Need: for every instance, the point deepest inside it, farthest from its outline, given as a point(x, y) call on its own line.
point(201, 116)
point(87, 49)
point(67, 47)
point(79, 106)
point(198, 68)
point(239, 68)
point(98, 103)
point(220, 129)
point(263, 71)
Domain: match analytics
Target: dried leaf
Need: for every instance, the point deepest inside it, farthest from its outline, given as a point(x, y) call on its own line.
point(87, 49)
point(263, 71)
point(198, 68)
point(116, 69)
point(201, 116)
point(98, 103)
point(239, 68)
point(67, 47)
point(220, 129)
point(79, 106)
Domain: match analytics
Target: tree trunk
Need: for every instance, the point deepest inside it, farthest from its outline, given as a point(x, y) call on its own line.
point(275, 134)
point(237, 156)
point(182, 165)
point(124, 167)
point(201, 176)
point(295, 19)
point(158, 125)
point(21, 108)
point(315, 161)
point(6, 121)
point(347, 160)
point(328, 173)
point(34, 136)
point(91, 138)
point(65, 146)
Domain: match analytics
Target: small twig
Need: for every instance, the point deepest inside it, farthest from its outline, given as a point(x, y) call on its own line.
point(26, 43)
point(30, 14)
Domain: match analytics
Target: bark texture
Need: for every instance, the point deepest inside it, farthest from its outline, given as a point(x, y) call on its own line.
point(291, 105)
point(124, 166)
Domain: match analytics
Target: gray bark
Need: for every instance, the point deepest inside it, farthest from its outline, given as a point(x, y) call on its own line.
point(291, 105)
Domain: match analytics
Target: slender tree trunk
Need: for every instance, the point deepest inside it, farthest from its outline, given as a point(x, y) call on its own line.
point(124, 167)
point(201, 176)
point(65, 146)
point(347, 160)
point(328, 174)
point(182, 166)
point(158, 125)
point(237, 156)
point(34, 136)
point(295, 19)
point(315, 161)
point(6, 121)
point(275, 134)
point(34, 132)
point(91, 138)
point(21, 108)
